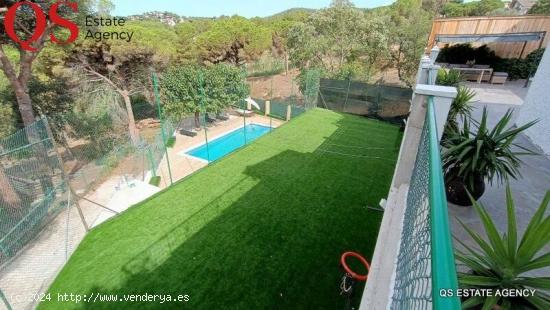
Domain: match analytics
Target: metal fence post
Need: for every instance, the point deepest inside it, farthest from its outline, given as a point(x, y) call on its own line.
point(5, 300)
point(288, 112)
point(65, 176)
point(203, 110)
point(151, 162)
point(164, 141)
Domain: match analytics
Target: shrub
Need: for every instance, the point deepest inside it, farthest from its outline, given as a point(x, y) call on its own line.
point(521, 68)
point(192, 89)
point(309, 81)
point(505, 261)
point(266, 66)
point(142, 108)
point(448, 78)
point(515, 67)
point(463, 53)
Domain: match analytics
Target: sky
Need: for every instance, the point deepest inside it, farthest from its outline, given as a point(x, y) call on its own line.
point(211, 8)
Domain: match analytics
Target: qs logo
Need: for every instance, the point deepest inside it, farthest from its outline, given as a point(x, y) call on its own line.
point(41, 23)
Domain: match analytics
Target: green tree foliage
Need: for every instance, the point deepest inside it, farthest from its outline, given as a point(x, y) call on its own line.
point(280, 26)
point(340, 40)
point(98, 118)
point(410, 26)
point(484, 7)
point(147, 35)
point(234, 40)
point(193, 89)
point(104, 7)
point(50, 97)
point(123, 67)
point(7, 120)
point(95, 127)
point(455, 9)
point(476, 8)
point(187, 33)
point(542, 7)
point(19, 71)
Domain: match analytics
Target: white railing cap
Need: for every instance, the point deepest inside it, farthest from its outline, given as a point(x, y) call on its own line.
point(435, 90)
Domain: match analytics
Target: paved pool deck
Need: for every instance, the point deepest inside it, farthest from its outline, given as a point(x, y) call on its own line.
point(182, 165)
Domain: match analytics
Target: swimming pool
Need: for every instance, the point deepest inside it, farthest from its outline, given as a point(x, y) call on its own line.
point(229, 142)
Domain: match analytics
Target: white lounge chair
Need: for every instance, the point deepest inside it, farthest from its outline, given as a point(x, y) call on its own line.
point(244, 112)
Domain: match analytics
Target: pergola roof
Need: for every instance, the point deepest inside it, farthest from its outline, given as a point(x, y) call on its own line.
point(488, 38)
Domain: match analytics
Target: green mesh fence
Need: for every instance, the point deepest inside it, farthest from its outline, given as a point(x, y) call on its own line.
point(373, 100)
point(32, 186)
point(39, 226)
point(92, 162)
point(261, 104)
point(425, 263)
point(157, 152)
point(279, 110)
point(413, 273)
point(297, 111)
point(89, 160)
point(311, 87)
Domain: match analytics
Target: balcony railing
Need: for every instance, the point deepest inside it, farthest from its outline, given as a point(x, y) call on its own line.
point(425, 263)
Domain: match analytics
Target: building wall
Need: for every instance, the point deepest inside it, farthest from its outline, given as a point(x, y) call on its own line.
point(495, 25)
point(537, 106)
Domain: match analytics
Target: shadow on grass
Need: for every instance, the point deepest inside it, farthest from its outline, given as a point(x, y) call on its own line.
point(278, 245)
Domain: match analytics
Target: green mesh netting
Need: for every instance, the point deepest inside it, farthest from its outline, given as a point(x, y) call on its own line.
point(372, 100)
point(279, 110)
point(413, 289)
point(297, 111)
point(32, 186)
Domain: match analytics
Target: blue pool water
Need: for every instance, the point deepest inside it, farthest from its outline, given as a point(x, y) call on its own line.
point(228, 143)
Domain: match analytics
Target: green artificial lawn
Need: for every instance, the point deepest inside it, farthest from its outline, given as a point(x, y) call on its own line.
point(263, 228)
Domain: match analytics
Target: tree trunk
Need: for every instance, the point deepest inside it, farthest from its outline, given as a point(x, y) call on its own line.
point(7, 194)
point(286, 63)
point(24, 104)
point(19, 85)
point(197, 119)
point(134, 133)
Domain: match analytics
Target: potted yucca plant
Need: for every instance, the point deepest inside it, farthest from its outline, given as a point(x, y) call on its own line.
point(461, 107)
point(506, 261)
point(475, 155)
point(448, 77)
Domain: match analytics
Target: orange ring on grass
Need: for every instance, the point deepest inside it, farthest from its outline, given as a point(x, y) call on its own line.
point(354, 275)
